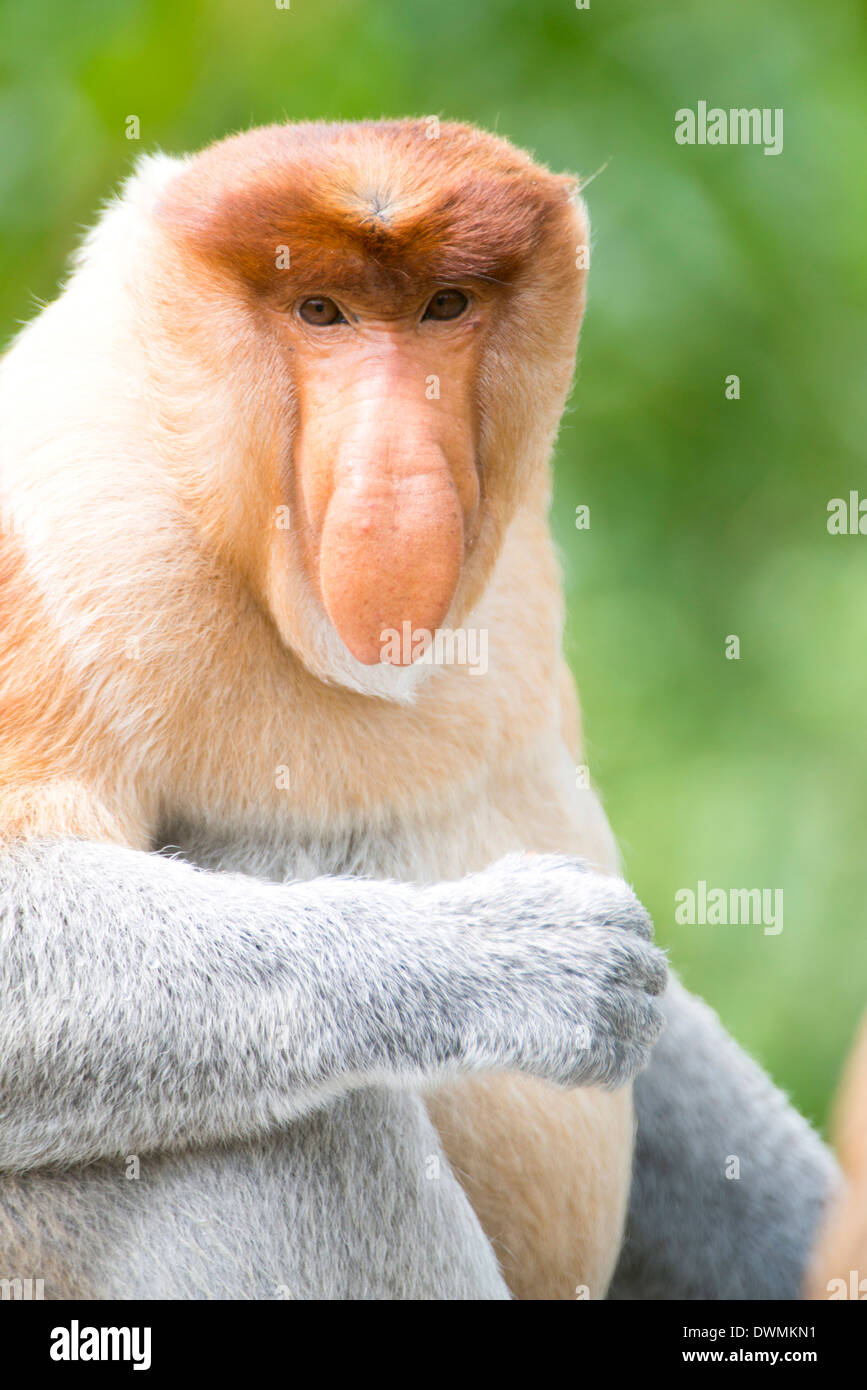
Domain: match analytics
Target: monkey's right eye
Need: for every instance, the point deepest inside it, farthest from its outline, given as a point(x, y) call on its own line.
point(321, 312)
point(446, 304)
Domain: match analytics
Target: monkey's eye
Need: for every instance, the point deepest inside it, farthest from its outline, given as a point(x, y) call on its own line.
point(446, 304)
point(321, 312)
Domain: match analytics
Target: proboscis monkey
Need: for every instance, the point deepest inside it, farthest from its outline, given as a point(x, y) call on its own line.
point(262, 888)
point(838, 1269)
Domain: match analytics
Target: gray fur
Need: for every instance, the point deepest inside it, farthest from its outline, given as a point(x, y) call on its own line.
point(692, 1232)
point(345, 1203)
point(235, 1030)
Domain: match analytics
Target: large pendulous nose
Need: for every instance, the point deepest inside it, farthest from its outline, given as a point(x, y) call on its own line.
point(391, 551)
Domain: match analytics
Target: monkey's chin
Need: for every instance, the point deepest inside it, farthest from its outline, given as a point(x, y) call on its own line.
point(328, 658)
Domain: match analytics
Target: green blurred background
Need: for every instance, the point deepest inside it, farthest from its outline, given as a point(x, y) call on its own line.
point(708, 516)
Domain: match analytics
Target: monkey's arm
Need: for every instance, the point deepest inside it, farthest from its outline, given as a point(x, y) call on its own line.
point(145, 1003)
point(692, 1232)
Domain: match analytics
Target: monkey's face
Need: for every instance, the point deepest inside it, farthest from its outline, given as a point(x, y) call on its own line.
point(386, 470)
point(397, 318)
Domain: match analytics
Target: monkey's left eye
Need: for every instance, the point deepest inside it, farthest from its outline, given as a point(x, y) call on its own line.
point(446, 304)
point(321, 312)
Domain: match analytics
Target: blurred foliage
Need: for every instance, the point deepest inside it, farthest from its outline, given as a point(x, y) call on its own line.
point(708, 516)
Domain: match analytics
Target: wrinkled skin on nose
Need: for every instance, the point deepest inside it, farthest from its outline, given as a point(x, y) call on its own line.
point(389, 492)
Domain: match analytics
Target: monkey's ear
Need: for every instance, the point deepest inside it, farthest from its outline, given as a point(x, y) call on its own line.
point(137, 197)
point(571, 182)
point(573, 185)
point(152, 172)
point(582, 182)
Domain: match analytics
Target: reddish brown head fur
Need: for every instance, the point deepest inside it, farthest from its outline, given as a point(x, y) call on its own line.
point(369, 207)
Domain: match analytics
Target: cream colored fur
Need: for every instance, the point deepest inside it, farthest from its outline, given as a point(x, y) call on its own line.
point(175, 700)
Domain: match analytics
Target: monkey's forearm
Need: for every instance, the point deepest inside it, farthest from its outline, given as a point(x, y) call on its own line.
point(145, 1003)
point(729, 1181)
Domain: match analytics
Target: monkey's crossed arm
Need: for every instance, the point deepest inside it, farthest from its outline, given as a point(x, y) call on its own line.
point(145, 1003)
